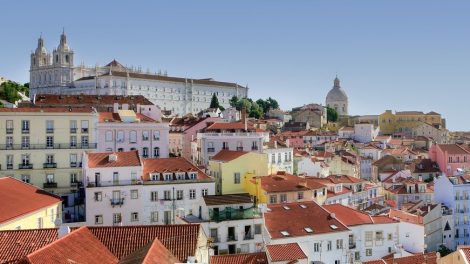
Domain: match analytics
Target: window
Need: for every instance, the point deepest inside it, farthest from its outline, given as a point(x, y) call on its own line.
point(25, 142)
point(357, 255)
point(84, 141)
point(120, 136)
point(273, 158)
point(84, 124)
point(337, 262)
point(156, 152)
point(167, 195)
point(9, 142)
point(40, 223)
point(134, 194)
point(133, 137)
point(73, 177)
point(368, 252)
point(98, 196)
point(98, 219)
point(205, 192)
point(257, 229)
point(339, 244)
point(316, 247)
point(9, 162)
point(49, 142)
point(116, 218)
point(145, 152)
point(154, 196)
point(156, 135)
point(192, 194)
point(134, 217)
point(25, 159)
point(25, 126)
point(49, 158)
point(273, 199)
point(300, 195)
point(328, 245)
point(50, 178)
point(283, 198)
point(168, 176)
point(9, 126)
point(109, 135)
point(73, 141)
point(25, 178)
point(145, 135)
point(153, 217)
point(179, 195)
point(279, 158)
point(369, 236)
point(379, 235)
point(73, 160)
point(236, 178)
point(115, 177)
point(73, 126)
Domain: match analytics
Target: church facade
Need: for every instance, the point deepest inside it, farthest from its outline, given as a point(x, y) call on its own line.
point(56, 74)
point(337, 99)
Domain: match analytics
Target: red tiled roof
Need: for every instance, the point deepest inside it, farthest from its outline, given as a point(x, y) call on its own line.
point(425, 258)
point(46, 110)
point(228, 155)
point(19, 198)
point(229, 126)
point(181, 240)
point(124, 159)
point(110, 117)
point(178, 164)
point(348, 216)
point(377, 261)
point(406, 217)
point(16, 244)
point(249, 258)
point(285, 252)
point(295, 219)
point(154, 252)
point(466, 252)
point(236, 198)
point(282, 183)
point(453, 149)
point(344, 179)
point(80, 246)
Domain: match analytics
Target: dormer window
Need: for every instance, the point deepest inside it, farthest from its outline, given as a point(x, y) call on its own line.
point(168, 176)
point(192, 175)
point(155, 177)
point(180, 175)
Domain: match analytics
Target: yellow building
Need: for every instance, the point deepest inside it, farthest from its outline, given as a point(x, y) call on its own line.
point(405, 121)
point(44, 146)
point(284, 188)
point(230, 167)
point(24, 206)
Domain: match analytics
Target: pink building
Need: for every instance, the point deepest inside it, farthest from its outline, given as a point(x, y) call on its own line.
point(292, 139)
point(125, 130)
point(450, 157)
point(183, 131)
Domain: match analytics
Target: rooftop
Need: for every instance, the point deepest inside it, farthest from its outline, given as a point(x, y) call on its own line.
point(170, 165)
point(248, 258)
point(109, 117)
point(83, 99)
point(238, 198)
point(19, 198)
point(453, 149)
point(46, 110)
point(351, 217)
point(226, 155)
point(114, 159)
point(293, 219)
point(285, 252)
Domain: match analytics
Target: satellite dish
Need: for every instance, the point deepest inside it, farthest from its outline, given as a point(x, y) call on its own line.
point(58, 222)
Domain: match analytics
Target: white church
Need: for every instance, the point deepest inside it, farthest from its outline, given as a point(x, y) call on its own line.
point(56, 74)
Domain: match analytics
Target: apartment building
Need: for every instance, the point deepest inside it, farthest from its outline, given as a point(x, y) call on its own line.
point(123, 189)
point(44, 146)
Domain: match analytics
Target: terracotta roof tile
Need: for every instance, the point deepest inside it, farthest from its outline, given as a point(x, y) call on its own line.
point(249, 258)
point(285, 252)
point(181, 240)
point(80, 246)
point(46, 110)
point(154, 252)
point(283, 183)
point(299, 216)
point(226, 155)
point(406, 217)
point(124, 159)
point(425, 258)
point(19, 198)
point(172, 165)
point(349, 216)
point(110, 117)
point(453, 149)
point(16, 244)
point(238, 198)
point(466, 252)
point(229, 126)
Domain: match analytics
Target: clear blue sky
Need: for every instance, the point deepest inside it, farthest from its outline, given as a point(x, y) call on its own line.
point(399, 55)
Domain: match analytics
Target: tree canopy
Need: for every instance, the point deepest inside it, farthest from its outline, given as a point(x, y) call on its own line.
point(9, 91)
point(215, 103)
point(331, 114)
point(256, 108)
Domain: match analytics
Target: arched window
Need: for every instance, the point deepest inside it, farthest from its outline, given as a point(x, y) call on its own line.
point(120, 136)
point(56, 58)
point(67, 58)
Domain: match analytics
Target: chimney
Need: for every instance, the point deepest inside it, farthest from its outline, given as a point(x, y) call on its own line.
point(112, 157)
point(63, 231)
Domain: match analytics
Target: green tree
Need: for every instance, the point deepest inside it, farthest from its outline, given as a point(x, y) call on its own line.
point(233, 101)
point(255, 111)
point(272, 104)
point(215, 103)
point(444, 251)
point(331, 114)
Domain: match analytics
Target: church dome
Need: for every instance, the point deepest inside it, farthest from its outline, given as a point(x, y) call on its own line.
point(336, 93)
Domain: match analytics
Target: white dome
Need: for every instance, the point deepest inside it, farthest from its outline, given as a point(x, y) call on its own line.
point(336, 93)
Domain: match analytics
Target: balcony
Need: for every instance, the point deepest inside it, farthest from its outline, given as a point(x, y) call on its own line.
point(9, 131)
point(232, 237)
point(49, 165)
point(49, 130)
point(25, 131)
point(254, 147)
point(239, 148)
point(73, 164)
point(25, 166)
point(9, 166)
point(50, 185)
point(210, 150)
point(85, 130)
point(234, 214)
point(215, 239)
point(116, 201)
point(91, 184)
point(47, 146)
point(352, 245)
point(248, 236)
point(73, 130)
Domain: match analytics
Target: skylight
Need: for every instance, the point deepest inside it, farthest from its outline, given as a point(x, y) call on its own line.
point(286, 207)
point(308, 230)
point(303, 206)
point(285, 233)
point(334, 227)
